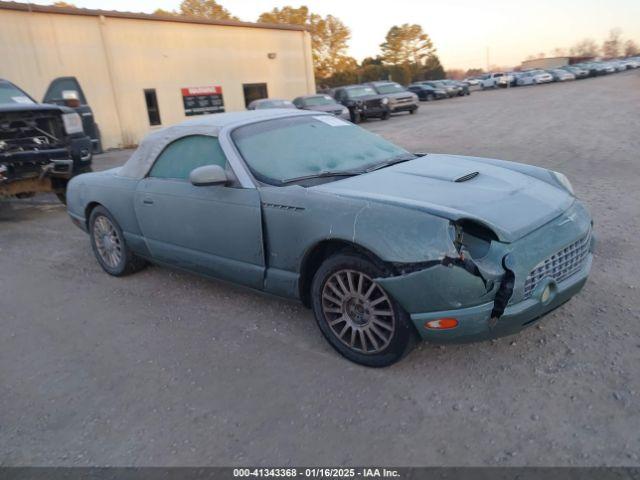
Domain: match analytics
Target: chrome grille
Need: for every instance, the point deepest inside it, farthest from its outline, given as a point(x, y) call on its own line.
point(560, 265)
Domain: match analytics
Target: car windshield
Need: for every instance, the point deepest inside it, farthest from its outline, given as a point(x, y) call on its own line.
point(280, 150)
point(356, 92)
point(319, 100)
point(390, 88)
point(12, 94)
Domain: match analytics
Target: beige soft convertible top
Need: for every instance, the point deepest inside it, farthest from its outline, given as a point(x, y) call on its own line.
point(142, 159)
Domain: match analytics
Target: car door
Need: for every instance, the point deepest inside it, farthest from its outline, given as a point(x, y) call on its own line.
point(215, 230)
point(67, 91)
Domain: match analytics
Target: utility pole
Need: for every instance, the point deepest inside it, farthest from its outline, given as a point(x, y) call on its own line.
point(488, 64)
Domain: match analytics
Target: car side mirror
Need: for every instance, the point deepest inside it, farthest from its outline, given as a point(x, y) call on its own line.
point(208, 175)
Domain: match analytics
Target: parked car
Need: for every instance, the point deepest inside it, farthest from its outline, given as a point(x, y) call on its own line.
point(489, 80)
point(383, 245)
point(534, 77)
point(462, 87)
point(428, 92)
point(472, 81)
point(264, 103)
point(577, 72)
point(400, 99)
point(363, 102)
point(507, 80)
point(561, 75)
point(42, 146)
point(321, 103)
point(450, 90)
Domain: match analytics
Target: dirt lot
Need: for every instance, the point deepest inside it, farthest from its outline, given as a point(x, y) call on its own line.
point(164, 368)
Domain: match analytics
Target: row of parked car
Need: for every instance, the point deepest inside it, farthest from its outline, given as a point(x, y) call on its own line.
point(370, 100)
point(560, 74)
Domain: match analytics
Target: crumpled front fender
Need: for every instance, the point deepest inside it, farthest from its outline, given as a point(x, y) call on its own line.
point(438, 288)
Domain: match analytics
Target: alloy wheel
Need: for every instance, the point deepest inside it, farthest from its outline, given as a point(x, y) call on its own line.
point(358, 311)
point(107, 241)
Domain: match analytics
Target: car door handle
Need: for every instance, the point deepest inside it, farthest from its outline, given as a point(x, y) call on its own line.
point(147, 201)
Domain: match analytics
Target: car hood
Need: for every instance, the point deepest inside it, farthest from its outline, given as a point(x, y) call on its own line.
point(396, 95)
point(334, 107)
point(511, 203)
point(32, 107)
point(366, 98)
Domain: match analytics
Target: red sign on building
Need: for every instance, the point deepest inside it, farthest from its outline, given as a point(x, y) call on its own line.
point(202, 100)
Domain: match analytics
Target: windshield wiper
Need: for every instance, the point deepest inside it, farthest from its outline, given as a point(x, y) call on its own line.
point(338, 173)
point(391, 161)
point(351, 173)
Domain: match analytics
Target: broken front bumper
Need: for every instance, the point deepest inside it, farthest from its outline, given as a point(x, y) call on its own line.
point(475, 323)
point(546, 268)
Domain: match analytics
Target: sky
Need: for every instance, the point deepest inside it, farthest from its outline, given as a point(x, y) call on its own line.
point(466, 33)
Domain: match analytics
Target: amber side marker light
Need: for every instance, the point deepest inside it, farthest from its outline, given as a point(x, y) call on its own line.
point(441, 324)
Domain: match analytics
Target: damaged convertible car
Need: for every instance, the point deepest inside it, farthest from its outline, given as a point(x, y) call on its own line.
point(384, 245)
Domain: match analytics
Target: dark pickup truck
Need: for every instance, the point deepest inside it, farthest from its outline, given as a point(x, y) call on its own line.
point(42, 146)
point(363, 102)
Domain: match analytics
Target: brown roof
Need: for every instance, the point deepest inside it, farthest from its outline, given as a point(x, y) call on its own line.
point(26, 7)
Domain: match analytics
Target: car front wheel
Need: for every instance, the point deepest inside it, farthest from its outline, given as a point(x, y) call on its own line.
point(358, 318)
point(109, 246)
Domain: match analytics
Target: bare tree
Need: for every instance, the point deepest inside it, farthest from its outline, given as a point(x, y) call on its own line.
point(559, 52)
point(585, 48)
point(613, 44)
point(631, 48)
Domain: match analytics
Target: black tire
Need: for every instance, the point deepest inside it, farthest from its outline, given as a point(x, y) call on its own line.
point(127, 262)
point(386, 115)
point(62, 196)
point(355, 116)
point(412, 111)
point(394, 347)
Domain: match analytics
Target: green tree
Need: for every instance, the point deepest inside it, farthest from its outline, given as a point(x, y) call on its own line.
point(209, 9)
point(329, 38)
point(410, 54)
point(406, 44)
point(432, 69)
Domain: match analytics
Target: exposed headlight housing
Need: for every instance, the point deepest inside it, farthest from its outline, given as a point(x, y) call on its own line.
point(384, 101)
point(563, 181)
point(72, 123)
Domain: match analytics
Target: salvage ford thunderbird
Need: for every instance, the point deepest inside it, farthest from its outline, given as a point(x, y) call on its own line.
point(384, 245)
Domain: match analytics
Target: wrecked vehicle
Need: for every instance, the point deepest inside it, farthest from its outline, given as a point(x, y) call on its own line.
point(41, 146)
point(384, 245)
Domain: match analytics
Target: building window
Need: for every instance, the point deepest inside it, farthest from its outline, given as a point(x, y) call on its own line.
point(152, 106)
point(254, 91)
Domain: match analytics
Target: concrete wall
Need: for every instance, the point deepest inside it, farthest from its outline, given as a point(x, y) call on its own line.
point(115, 59)
point(545, 63)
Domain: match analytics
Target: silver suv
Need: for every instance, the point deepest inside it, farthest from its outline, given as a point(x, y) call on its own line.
point(400, 99)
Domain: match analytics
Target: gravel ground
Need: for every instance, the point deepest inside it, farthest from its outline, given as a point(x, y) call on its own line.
point(165, 368)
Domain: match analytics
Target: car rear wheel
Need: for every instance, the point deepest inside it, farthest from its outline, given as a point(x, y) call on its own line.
point(355, 116)
point(109, 246)
point(354, 313)
point(385, 115)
